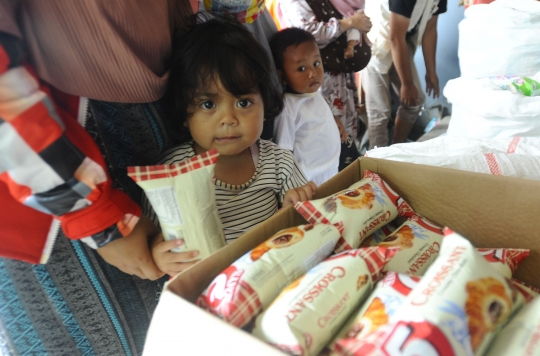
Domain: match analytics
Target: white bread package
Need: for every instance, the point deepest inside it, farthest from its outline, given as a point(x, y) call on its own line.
point(183, 198)
point(419, 242)
point(528, 291)
point(376, 311)
point(522, 334)
point(504, 260)
point(252, 282)
point(306, 315)
point(456, 309)
point(363, 208)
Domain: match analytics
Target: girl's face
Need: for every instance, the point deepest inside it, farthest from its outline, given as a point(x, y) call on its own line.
point(221, 120)
point(302, 68)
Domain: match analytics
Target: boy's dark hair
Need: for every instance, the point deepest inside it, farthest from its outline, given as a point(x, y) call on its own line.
point(223, 49)
point(288, 37)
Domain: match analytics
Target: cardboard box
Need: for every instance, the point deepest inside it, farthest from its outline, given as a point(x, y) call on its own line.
point(491, 211)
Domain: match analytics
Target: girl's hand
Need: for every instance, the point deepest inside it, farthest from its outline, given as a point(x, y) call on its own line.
point(303, 193)
point(360, 21)
point(169, 262)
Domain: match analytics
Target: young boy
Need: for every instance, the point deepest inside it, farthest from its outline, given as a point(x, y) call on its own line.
point(306, 125)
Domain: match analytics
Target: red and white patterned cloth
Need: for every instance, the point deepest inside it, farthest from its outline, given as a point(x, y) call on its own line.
point(50, 168)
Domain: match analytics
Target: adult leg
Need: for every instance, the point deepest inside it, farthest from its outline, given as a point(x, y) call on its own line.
point(408, 114)
point(377, 90)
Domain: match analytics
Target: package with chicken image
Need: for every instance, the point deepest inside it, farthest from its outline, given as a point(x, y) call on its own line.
point(457, 308)
point(251, 283)
point(363, 208)
point(306, 315)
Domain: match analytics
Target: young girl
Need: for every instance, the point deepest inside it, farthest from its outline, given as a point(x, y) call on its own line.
point(219, 93)
point(306, 125)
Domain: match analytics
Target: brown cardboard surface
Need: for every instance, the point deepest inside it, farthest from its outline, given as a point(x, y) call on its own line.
point(491, 211)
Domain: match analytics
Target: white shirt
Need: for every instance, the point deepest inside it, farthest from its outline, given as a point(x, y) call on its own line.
point(307, 127)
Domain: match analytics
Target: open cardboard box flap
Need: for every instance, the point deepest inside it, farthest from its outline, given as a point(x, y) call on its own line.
point(491, 211)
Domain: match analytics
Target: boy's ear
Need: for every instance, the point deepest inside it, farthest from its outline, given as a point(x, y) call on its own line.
point(281, 76)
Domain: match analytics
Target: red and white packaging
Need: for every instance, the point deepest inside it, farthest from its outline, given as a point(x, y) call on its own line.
point(529, 292)
point(363, 208)
point(380, 235)
point(306, 315)
point(504, 260)
point(419, 242)
point(456, 309)
point(251, 283)
point(183, 197)
point(376, 311)
point(522, 334)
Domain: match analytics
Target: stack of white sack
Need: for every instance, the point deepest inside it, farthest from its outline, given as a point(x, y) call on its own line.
point(502, 38)
point(499, 39)
point(514, 157)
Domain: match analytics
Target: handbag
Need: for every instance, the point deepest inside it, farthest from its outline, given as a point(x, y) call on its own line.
point(332, 54)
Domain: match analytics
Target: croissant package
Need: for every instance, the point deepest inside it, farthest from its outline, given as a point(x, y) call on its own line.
point(456, 309)
point(363, 208)
point(251, 283)
point(306, 315)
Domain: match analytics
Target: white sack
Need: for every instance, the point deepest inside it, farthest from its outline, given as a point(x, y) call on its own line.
point(502, 38)
point(513, 157)
point(482, 110)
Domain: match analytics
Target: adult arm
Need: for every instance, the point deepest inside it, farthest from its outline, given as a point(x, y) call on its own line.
point(45, 166)
point(400, 56)
point(298, 13)
point(429, 48)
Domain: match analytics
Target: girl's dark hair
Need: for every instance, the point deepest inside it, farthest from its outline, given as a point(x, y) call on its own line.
point(288, 37)
point(223, 49)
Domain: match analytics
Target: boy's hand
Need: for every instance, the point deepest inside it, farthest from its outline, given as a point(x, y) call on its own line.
point(342, 132)
point(169, 262)
point(303, 193)
point(130, 254)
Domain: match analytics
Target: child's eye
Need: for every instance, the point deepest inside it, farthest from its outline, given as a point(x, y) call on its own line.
point(244, 103)
point(208, 105)
point(301, 69)
point(317, 63)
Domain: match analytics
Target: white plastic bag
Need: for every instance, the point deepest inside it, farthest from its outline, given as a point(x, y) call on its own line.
point(502, 38)
point(484, 112)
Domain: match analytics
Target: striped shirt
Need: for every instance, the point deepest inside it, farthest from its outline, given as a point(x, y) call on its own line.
point(241, 207)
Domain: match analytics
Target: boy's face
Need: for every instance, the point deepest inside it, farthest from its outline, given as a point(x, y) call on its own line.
point(221, 120)
point(302, 68)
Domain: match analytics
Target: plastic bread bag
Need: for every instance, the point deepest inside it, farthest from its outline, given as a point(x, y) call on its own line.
point(251, 283)
point(529, 292)
point(419, 242)
point(183, 198)
point(457, 308)
point(376, 311)
point(363, 208)
point(504, 260)
point(306, 315)
point(380, 235)
point(522, 334)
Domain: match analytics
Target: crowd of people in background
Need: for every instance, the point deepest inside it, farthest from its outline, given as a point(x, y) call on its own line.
point(90, 88)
